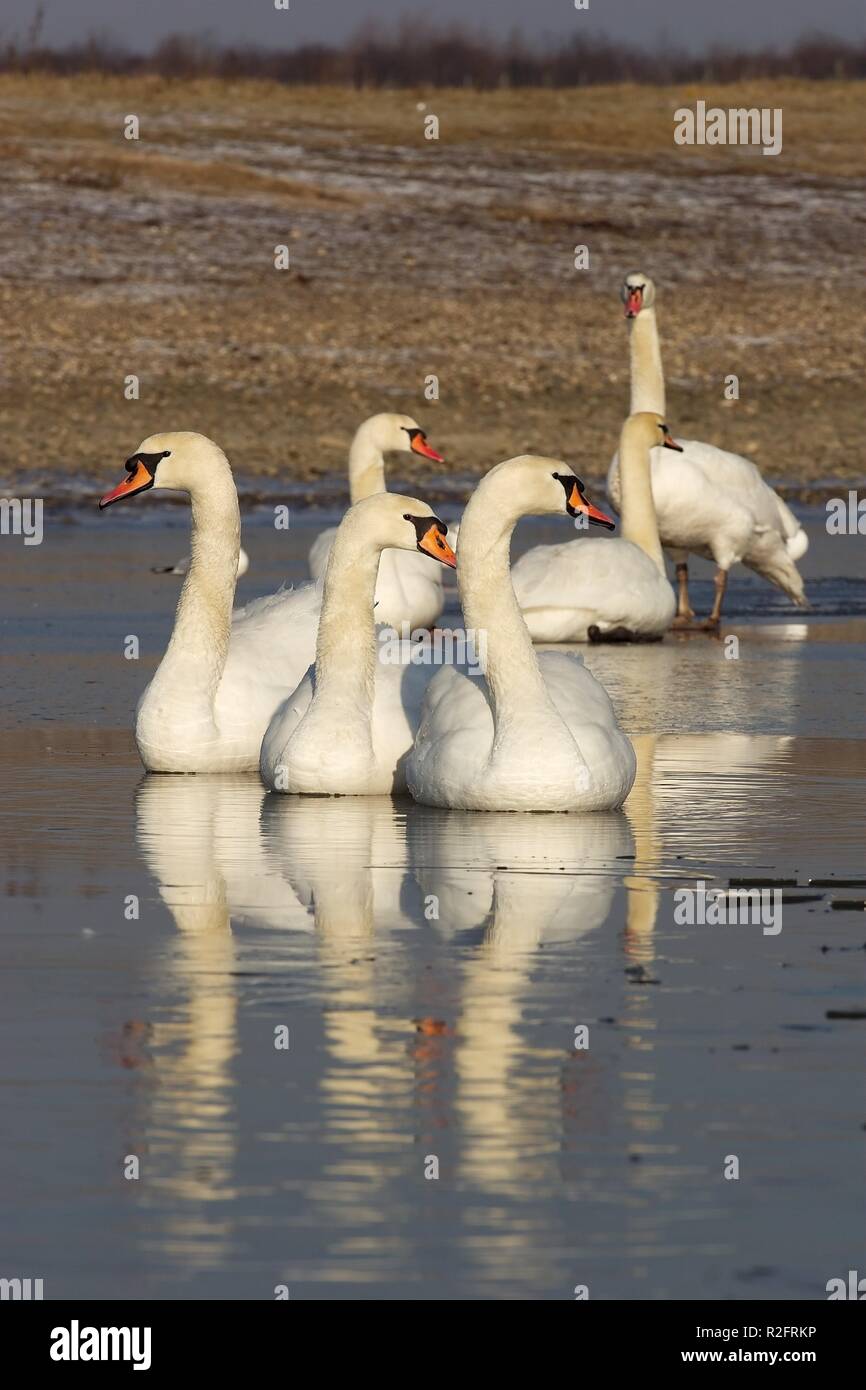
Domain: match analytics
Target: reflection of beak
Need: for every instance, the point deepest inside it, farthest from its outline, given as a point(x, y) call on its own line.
point(578, 503)
point(434, 543)
point(420, 446)
point(670, 443)
point(633, 304)
point(138, 481)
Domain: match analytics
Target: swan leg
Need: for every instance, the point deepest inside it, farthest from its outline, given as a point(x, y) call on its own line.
point(721, 583)
point(685, 612)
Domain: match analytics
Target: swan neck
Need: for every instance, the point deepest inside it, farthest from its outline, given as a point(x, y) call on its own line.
point(366, 467)
point(490, 608)
point(202, 627)
point(647, 376)
point(637, 509)
point(346, 650)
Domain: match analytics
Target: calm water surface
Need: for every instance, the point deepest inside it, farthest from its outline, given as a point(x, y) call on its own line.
point(431, 969)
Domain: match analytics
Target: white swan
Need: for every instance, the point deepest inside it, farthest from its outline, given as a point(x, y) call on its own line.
point(708, 501)
point(605, 590)
point(409, 586)
point(223, 674)
point(539, 733)
point(182, 566)
point(347, 728)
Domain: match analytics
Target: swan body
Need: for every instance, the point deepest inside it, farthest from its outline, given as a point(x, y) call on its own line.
point(182, 566)
point(590, 589)
point(223, 674)
point(347, 728)
point(409, 585)
point(708, 501)
point(534, 732)
point(716, 504)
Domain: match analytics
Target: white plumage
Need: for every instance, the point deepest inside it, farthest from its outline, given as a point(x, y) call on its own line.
point(223, 674)
point(534, 733)
point(409, 586)
point(347, 728)
point(595, 588)
point(708, 501)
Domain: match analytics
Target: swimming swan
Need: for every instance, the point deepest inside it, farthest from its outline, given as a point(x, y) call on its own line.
point(409, 586)
point(708, 501)
point(533, 733)
point(347, 728)
point(601, 590)
point(223, 674)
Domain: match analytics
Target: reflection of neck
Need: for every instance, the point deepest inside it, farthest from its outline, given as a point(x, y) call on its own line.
point(637, 510)
point(647, 376)
point(517, 691)
point(366, 465)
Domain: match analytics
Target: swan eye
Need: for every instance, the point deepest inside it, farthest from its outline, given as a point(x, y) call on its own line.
point(567, 479)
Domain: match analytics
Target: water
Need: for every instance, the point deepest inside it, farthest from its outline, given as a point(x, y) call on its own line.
point(431, 969)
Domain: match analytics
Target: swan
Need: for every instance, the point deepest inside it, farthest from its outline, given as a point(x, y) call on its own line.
point(533, 733)
point(347, 728)
point(605, 590)
point(182, 566)
point(223, 674)
point(708, 501)
point(409, 587)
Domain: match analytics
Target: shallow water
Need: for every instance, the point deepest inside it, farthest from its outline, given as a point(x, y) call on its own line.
point(431, 969)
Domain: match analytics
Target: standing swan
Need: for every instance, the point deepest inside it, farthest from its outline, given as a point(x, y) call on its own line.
point(534, 733)
point(708, 501)
point(347, 728)
point(600, 590)
point(409, 586)
point(222, 675)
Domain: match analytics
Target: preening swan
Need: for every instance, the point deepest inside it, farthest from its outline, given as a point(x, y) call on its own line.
point(347, 728)
point(409, 586)
point(182, 566)
point(223, 674)
point(534, 733)
point(601, 590)
point(708, 501)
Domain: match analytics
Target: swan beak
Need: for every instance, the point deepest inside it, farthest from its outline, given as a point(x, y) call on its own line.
point(578, 503)
point(433, 542)
point(633, 303)
point(139, 479)
point(669, 442)
point(420, 446)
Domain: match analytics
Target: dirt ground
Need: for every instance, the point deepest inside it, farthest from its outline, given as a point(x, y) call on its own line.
point(412, 258)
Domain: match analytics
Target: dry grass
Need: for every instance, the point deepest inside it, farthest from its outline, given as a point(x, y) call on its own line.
point(823, 122)
point(156, 258)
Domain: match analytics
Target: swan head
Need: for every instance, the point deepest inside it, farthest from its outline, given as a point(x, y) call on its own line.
point(398, 434)
point(647, 430)
point(181, 461)
point(392, 521)
point(637, 292)
point(542, 486)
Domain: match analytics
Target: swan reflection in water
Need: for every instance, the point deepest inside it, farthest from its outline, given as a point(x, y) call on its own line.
point(418, 932)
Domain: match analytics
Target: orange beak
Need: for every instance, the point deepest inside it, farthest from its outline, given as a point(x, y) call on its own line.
point(670, 443)
point(633, 303)
point(420, 446)
point(433, 543)
point(578, 503)
point(138, 481)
